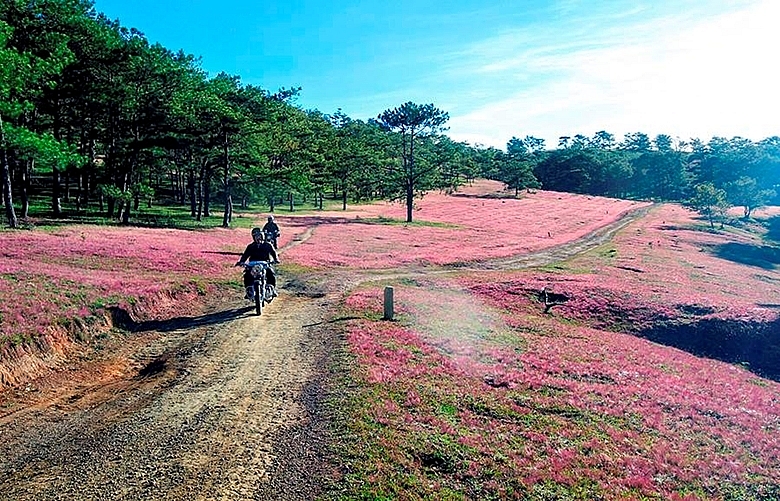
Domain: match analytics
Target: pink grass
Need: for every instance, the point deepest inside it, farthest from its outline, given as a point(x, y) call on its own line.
point(474, 229)
point(564, 401)
point(47, 278)
point(641, 418)
point(668, 257)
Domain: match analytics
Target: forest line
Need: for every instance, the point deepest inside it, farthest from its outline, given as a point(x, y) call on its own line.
point(98, 120)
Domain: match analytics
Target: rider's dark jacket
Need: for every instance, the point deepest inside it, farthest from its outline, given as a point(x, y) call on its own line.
point(271, 227)
point(259, 252)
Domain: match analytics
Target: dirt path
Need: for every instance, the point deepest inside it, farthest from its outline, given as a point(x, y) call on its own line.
point(200, 419)
point(225, 406)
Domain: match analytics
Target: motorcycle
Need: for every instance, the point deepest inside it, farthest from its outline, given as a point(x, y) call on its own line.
point(272, 237)
point(263, 292)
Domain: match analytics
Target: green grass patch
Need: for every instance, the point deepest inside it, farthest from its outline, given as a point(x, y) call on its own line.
point(609, 253)
point(511, 338)
point(294, 269)
point(17, 339)
point(110, 301)
point(409, 282)
point(160, 215)
point(563, 268)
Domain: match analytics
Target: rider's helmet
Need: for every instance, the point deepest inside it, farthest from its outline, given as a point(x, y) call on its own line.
point(270, 219)
point(257, 234)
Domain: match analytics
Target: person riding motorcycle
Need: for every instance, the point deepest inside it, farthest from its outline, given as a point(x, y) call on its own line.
point(272, 229)
point(258, 250)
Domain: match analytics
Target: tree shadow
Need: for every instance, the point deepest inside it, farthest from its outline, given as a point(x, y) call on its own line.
point(762, 256)
point(153, 223)
point(488, 196)
point(312, 221)
point(773, 229)
point(122, 319)
point(754, 345)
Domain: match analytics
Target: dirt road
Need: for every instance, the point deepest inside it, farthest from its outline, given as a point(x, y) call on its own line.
point(202, 412)
point(220, 407)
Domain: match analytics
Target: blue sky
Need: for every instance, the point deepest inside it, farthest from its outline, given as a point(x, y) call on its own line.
point(687, 68)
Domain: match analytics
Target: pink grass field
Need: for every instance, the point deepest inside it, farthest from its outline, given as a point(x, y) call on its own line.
point(668, 259)
point(452, 229)
point(542, 404)
point(477, 394)
point(474, 392)
point(49, 277)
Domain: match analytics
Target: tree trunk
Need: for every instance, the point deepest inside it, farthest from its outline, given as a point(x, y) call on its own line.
point(87, 176)
point(79, 190)
point(7, 198)
point(67, 184)
point(27, 169)
point(184, 187)
point(201, 174)
point(410, 179)
point(56, 205)
point(56, 188)
point(292, 206)
point(207, 192)
point(409, 201)
point(344, 199)
point(174, 179)
point(228, 215)
point(125, 212)
point(124, 204)
point(191, 191)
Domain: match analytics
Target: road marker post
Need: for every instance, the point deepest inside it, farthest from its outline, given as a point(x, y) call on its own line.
point(388, 303)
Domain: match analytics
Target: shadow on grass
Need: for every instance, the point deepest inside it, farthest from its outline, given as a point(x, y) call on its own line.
point(773, 229)
point(763, 256)
point(123, 320)
point(334, 320)
point(314, 221)
point(136, 222)
point(754, 345)
point(494, 196)
point(162, 215)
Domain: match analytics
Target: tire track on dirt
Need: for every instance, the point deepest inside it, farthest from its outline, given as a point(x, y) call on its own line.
point(208, 433)
point(568, 250)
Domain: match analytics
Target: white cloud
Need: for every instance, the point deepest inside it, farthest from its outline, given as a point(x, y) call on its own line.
point(686, 77)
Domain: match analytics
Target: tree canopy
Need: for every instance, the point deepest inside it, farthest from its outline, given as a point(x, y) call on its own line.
point(97, 120)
